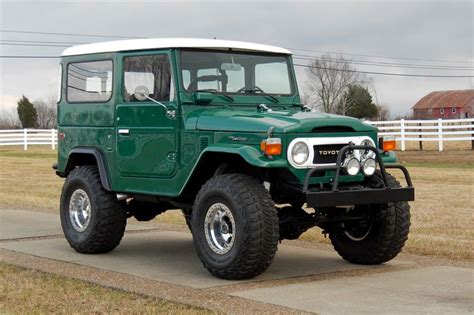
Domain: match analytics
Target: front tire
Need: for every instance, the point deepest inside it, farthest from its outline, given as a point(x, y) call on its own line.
point(235, 226)
point(382, 238)
point(92, 219)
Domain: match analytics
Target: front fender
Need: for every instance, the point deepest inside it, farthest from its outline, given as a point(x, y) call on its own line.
point(389, 157)
point(250, 154)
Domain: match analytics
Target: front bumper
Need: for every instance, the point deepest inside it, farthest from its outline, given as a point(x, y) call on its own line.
point(341, 196)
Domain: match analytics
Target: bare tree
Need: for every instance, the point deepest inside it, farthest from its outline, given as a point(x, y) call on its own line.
point(46, 112)
point(328, 80)
point(9, 120)
point(383, 112)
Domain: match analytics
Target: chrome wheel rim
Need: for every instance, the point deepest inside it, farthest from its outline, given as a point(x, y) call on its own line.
point(219, 228)
point(79, 210)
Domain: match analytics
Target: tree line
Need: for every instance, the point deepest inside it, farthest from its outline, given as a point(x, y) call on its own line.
point(334, 86)
point(38, 114)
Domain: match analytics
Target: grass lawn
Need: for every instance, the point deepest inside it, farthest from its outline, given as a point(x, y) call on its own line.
point(442, 215)
point(24, 291)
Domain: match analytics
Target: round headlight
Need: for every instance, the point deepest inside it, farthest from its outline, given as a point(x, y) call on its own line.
point(352, 166)
point(300, 153)
point(369, 167)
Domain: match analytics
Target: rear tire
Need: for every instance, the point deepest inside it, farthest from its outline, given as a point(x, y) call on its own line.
point(92, 219)
point(235, 226)
point(383, 238)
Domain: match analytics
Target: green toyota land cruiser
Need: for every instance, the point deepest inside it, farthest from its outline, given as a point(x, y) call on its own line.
point(217, 129)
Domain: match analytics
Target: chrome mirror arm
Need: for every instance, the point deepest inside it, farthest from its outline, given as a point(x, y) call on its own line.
point(171, 114)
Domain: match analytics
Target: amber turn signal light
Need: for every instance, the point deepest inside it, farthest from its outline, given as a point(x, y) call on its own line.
point(389, 145)
point(271, 146)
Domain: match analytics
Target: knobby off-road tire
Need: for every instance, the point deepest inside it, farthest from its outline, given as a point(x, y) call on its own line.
point(387, 234)
point(255, 226)
point(107, 216)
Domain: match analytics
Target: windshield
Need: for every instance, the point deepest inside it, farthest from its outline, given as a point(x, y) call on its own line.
point(236, 73)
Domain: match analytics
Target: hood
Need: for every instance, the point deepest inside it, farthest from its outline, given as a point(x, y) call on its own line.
point(284, 121)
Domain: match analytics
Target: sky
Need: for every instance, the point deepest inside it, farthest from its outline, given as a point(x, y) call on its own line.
point(422, 33)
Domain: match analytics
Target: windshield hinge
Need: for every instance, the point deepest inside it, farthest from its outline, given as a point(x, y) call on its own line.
point(263, 108)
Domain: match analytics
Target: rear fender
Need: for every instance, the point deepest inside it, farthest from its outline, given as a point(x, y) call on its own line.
point(86, 156)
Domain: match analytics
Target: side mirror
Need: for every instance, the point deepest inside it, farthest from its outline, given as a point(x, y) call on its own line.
point(141, 93)
point(203, 97)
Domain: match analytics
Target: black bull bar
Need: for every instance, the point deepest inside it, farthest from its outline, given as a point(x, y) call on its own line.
point(340, 196)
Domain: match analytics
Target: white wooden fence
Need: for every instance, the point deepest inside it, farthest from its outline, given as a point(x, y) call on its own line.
point(440, 130)
point(26, 137)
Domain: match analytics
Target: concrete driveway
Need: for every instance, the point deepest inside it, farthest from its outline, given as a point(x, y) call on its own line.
point(303, 278)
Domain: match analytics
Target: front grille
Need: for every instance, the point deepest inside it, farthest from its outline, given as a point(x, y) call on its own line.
point(326, 153)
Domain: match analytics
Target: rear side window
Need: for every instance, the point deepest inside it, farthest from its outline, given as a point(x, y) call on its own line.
point(152, 72)
point(89, 81)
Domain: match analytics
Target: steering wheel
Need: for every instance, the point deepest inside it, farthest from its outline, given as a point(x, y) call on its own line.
point(253, 88)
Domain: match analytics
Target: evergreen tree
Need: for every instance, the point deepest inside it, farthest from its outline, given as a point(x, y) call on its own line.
point(27, 113)
point(357, 102)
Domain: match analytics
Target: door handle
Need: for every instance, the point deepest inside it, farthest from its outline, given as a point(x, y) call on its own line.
point(123, 131)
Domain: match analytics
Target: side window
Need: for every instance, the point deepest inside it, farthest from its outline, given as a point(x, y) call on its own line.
point(153, 72)
point(89, 81)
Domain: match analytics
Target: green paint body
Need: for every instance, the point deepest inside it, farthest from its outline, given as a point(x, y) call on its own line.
point(159, 155)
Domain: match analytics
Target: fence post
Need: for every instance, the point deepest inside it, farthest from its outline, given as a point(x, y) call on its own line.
point(52, 139)
point(402, 133)
point(25, 139)
point(472, 135)
point(420, 136)
point(440, 134)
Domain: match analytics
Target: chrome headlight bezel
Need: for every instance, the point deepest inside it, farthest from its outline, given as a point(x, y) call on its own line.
point(367, 154)
point(369, 166)
point(299, 153)
point(351, 165)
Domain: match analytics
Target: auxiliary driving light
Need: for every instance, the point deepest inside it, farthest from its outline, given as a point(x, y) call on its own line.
point(365, 154)
point(352, 166)
point(369, 167)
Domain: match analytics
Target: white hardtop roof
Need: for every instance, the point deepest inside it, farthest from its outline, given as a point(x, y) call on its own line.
point(157, 43)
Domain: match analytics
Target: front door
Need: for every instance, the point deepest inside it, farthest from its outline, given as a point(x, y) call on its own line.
point(146, 136)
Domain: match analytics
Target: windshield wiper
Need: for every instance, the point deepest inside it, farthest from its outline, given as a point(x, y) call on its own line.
point(257, 89)
point(214, 91)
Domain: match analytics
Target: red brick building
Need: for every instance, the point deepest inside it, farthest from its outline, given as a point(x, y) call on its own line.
point(446, 105)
